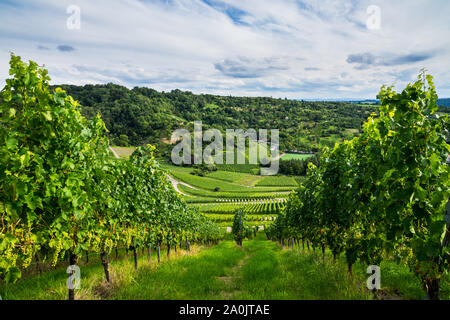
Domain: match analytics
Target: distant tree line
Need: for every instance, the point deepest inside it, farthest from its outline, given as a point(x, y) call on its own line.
point(143, 115)
point(295, 167)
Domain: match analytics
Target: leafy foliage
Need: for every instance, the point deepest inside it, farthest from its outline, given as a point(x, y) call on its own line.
point(384, 193)
point(147, 116)
point(294, 167)
point(239, 229)
point(61, 193)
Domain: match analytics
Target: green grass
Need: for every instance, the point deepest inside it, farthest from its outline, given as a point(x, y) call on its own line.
point(249, 180)
point(243, 168)
point(249, 207)
point(296, 156)
point(244, 179)
point(300, 179)
point(210, 184)
point(226, 175)
point(251, 194)
point(272, 273)
point(219, 208)
point(195, 277)
point(51, 285)
point(277, 181)
point(260, 270)
point(171, 167)
point(124, 152)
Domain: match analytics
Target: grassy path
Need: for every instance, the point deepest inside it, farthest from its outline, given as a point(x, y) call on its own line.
point(195, 277)
point(260, 270)
point(175, 184)
point(272, 273)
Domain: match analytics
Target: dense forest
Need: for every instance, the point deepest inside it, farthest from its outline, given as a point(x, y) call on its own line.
point(144, 115)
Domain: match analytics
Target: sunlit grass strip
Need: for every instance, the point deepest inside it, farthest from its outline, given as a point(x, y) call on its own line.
point(124, 152)
point(235, 195)
point(206, 183)
point(277, 181)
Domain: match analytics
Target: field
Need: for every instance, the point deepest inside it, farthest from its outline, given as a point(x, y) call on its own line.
point(220, 193)
point(261, 270)
point(364, 219)
point(271, 181)
point(207, 183)
point(249, 180)
point(124, 152)
point(296, 156)
point(227, 176)
point(194, 194)
point(249, 207)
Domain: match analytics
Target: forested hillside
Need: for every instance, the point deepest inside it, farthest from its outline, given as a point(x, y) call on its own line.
point(444, 103)
point(144, 115)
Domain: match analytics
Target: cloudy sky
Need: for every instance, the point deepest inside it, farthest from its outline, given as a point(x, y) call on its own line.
point(310, 49)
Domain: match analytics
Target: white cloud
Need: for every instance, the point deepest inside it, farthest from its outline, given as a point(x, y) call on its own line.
point(293, 48)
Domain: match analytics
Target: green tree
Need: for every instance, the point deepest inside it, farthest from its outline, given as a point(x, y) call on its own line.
point(123, 140)
point(239, 229)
